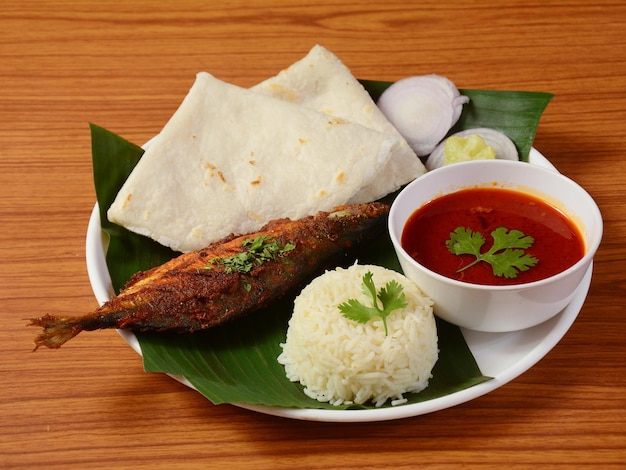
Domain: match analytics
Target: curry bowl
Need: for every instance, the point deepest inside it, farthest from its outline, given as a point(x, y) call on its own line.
point(497, 306)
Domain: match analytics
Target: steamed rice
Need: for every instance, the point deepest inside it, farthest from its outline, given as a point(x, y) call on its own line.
point(341, 361)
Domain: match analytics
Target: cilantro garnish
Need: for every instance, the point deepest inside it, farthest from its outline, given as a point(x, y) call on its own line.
point(506, 256)
point(259, 250)
point(391, 297)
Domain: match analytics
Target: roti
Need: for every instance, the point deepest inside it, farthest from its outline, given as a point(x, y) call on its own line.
point(321, 81)
point(231, 159)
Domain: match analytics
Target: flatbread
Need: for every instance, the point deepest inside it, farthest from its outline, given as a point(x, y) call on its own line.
point(321, 81)
point(230, 159)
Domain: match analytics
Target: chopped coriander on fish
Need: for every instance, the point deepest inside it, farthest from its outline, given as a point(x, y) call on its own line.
point(259, 250)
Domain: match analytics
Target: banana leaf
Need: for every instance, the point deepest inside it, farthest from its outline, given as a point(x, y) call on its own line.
point(236, 363)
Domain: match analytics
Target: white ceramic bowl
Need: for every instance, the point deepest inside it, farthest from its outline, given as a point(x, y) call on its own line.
point(498, 308)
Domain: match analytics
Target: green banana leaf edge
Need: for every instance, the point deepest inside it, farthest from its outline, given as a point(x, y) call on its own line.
point(236, 363)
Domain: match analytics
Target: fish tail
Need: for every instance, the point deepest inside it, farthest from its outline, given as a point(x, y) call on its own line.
point(56, 330)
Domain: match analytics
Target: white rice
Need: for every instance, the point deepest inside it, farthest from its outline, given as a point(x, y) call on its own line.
point(341, 361)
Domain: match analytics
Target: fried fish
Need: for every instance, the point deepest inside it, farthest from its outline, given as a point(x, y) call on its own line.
point(226, 280)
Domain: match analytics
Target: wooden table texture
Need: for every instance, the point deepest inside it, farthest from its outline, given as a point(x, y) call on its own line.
point(127, 65)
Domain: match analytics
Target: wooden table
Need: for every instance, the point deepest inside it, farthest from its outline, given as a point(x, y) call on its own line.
point(126, 66)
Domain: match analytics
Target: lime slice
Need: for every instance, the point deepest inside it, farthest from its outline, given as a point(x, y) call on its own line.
point(462, 149)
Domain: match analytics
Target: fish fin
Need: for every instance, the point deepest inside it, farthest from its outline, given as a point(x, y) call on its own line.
point(56, 330)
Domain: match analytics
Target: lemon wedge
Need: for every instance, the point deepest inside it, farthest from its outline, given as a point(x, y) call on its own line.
point(462, 149)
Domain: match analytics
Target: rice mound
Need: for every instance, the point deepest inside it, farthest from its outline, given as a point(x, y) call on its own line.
point(341, 361)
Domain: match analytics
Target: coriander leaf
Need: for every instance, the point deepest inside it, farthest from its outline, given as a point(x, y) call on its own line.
point(510, 262)
point(506, 256)
point(512, 239)
point(369, 288)
point(352, 309)
point(464, 241)
point(259, 250)
point(391, 297)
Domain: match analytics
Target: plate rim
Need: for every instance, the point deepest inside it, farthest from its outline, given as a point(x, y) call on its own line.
point(555, 330)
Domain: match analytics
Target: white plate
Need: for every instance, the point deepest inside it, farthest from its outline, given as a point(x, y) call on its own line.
point(503, 356)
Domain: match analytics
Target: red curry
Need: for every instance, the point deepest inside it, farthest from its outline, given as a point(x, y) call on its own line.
point(558, 242)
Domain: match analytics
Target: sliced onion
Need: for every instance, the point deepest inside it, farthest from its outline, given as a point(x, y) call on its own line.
point(423, 108)
point(503, 146)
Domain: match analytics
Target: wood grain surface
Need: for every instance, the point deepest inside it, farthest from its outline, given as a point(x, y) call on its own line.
point(127, 65)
